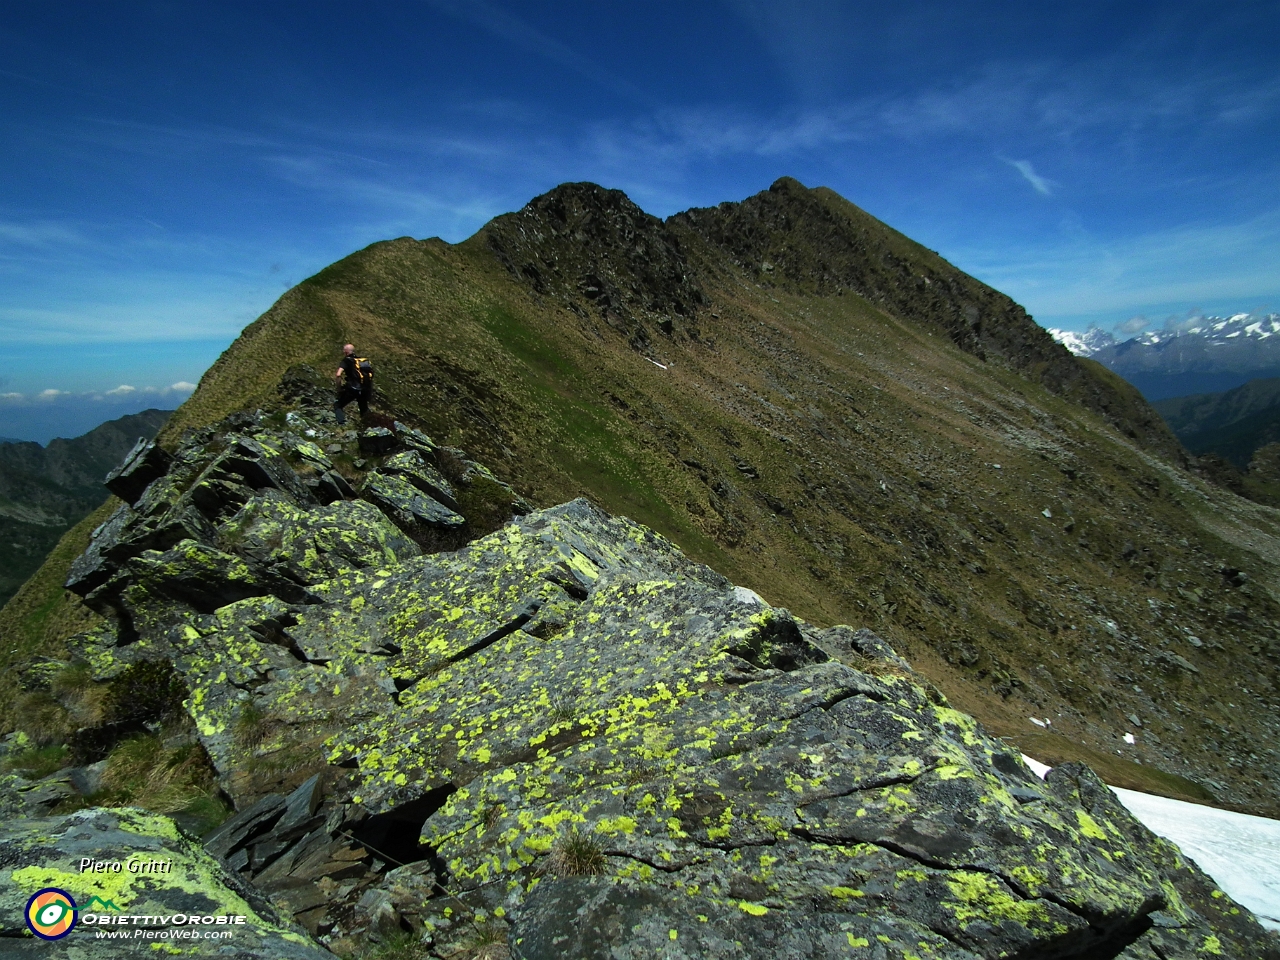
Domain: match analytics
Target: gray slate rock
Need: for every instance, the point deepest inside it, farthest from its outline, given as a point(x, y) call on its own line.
point(245, 825)
point(331, 486)
point(300, 812)
point(93, 568)
point(144, 464)
point(261, 467)
point(412, 437)
point(1171, 659)
point(377, 441)
point(412, 509)
point(413, 466)
point(574, 918)
point(43, 795)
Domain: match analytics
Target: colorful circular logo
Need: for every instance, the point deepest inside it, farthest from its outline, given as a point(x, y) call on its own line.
point(51, 913)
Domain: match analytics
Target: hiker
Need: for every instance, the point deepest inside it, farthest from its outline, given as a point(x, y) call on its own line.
point(359, 385)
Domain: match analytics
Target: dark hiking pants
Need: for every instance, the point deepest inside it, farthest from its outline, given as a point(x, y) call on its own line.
point(345, 395)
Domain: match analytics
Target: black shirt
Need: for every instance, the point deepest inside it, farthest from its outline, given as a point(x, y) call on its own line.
point(352, 372)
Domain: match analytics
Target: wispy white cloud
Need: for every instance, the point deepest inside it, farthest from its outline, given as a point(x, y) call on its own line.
point(41, 234)
point(1038, 183)
point(149, 308)
point(520, 33)
point(1086, 277)
point(161, 140)
point(1055, 104)
point(124, 392)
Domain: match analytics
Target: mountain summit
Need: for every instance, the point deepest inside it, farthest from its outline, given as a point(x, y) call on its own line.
point(830, 415)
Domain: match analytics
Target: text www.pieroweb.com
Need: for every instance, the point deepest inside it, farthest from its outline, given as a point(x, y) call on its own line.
point(164, 934)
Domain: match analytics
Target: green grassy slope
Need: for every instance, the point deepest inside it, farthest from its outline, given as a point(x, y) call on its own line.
point(41, 615)
point(1016, 524)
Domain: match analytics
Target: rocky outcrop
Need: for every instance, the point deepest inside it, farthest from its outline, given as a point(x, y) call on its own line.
point(598, 247)
point(248, 512)
point(567, 737)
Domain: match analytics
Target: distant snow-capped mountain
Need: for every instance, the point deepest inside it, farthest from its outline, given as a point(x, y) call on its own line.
point(1202, 355)
point(1083, 344)
point(1242, 326)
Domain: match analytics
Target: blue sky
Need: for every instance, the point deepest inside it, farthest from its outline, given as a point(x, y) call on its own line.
point(170, 168)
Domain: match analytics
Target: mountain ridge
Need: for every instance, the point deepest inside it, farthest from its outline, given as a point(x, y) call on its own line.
point(829, 247)
point(850, 464)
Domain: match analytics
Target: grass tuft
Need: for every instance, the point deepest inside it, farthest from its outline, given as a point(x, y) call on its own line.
point(143, 771)
point(402, 946)
point(489, 943)
point(251, 727)
point(35, 763)
point(85, 700)
point(563, 710)
point(42, 718)
point(576, 854)
point(492, 813)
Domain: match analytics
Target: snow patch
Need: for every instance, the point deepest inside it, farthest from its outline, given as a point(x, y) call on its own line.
point(1239, 851)
point(1038, 768)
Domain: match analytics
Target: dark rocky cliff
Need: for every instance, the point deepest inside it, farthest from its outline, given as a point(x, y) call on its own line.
point(606, 254)
point(643, 276)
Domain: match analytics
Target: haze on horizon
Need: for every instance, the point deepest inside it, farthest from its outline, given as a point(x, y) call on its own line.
point(173, 168)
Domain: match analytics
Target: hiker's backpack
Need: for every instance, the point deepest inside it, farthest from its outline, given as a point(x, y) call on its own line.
point(364, 370)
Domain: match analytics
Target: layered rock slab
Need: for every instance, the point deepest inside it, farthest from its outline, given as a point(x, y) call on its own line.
point(741, 789)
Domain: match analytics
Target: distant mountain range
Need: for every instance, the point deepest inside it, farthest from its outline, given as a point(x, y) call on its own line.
point(1232, 424)
point(46, 490)
point(1211, 355)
